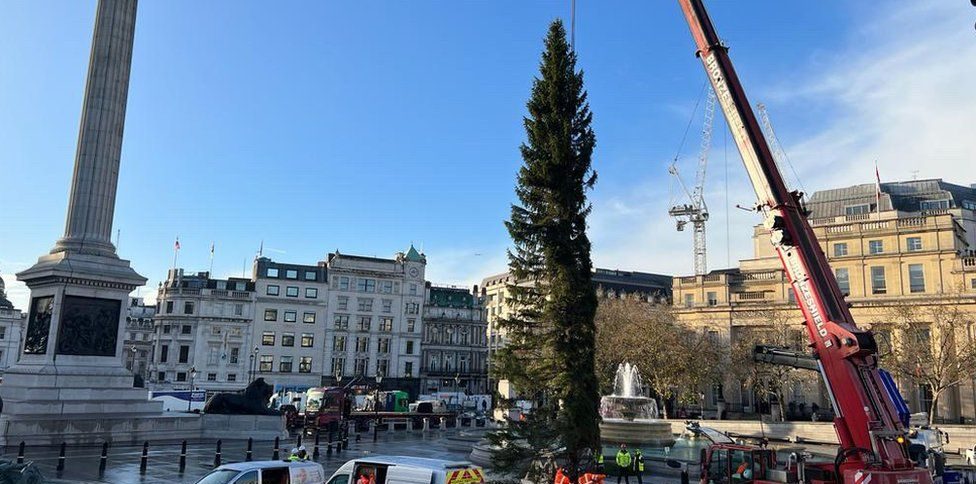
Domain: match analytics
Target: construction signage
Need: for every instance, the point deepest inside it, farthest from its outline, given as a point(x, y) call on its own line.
point(471, 475)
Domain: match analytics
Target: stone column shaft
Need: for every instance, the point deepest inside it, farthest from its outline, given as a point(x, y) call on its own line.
point(91, 204)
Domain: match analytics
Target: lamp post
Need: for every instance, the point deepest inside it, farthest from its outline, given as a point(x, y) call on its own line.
point(342, 399)
point(253, 367)
point(376, 406)
point(701, 406)
point(457, 383)
point(189, 400)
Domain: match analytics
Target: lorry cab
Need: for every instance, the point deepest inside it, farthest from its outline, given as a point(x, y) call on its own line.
point(266, 472)
point(407, 470)
point(738, 464)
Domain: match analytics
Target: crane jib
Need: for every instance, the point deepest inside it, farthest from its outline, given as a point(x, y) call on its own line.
point(806, 294)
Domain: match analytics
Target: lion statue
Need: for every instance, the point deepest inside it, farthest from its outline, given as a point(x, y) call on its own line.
point(253, 401)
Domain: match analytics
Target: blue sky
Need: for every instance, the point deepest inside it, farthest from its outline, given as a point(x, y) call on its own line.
point(365, 126)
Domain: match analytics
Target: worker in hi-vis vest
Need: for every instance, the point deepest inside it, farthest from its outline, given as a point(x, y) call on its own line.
point(638, 466)
point(623, 464)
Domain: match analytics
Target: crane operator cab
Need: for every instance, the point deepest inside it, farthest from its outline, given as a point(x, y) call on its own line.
point(738, 464)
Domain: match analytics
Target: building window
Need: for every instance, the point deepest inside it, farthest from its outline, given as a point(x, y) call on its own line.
point(342, 321)
point(231, 377)
point(843, 280)
point(366, 285)
point(386, 324)
point(365, 304)
point(235, 355)
point(308, 317)
point(163, 353)
point(972, 283)
point(169, 307)
point(408, 369)
point(413, 308)
point(338, 366)
point(184, 354)
point(342, 303)
point(308, 340)
point(287, 339)
point(364, 323)
point(387, 287)
point(913, 244)
point(689, 300)
point(387, 305)
point(878, 280)
point(284, 364)
point(291, 316)
point(165, 329)
point(310, 275)
point(180, 376)
point(311, 292)
point(213, 356)
point(862, 209)
point(270, 314)
point(305, 364)
point(790, 296)
point(934, 205)
point(362, 344)
point(409, 347)
point(382, 367)
point(411, 325)
point(712, 298)
point(211, 377)
point(272, 272)
point(344, 283)
point(875, 246)
point(186, 329)
point(161, 376)
point(291, 274)
point(238, 310)
point(840, 249)
point(338, 343)
point(291, 291)
point(273, 290)
point(268, 338)
point(916, 278)
point(266, 363)
point(362, 364)
point(383, 345)
point(187, 307)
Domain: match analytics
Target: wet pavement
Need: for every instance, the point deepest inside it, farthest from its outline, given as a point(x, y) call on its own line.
point(82, 463)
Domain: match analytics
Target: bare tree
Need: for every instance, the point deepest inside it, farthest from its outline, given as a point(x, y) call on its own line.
point(929, 344)
point(676, 361)
point(774, 327)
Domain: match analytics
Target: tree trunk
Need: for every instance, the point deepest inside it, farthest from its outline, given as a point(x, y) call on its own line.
point(664, 409)
point(934, 405)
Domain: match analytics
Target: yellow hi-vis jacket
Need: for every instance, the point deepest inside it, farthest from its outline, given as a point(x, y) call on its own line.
point(623, 459)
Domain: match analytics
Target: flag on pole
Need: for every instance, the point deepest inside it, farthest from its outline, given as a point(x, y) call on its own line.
point(211, 249)
point(261, 249)
point(176, 246)
point(877, 187)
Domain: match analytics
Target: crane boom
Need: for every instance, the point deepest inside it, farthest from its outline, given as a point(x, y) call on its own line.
point(867, 425)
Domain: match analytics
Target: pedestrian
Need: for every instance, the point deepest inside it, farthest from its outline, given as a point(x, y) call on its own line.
point(599, 460)
point(623, 464)
point(638, 466)
point(293, 455)
point(302, 453)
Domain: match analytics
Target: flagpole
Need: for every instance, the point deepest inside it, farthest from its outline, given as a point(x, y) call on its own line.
point(176, 251)
point(211, 258)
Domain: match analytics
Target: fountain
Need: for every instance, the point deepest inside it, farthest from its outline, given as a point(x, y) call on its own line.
point(629, 416)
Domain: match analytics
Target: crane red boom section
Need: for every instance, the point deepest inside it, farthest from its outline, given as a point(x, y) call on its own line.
point(867, 422)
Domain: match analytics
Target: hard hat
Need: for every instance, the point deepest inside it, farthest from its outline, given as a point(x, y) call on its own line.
point(301, 448)
point(294, 450)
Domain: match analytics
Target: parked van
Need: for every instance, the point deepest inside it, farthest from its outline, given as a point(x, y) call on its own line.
point(266, 472)
point(408, 470)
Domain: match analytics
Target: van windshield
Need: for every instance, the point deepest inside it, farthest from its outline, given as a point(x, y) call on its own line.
point(219, 476)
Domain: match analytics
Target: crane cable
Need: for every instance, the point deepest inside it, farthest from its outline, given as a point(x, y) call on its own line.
point(681, 145)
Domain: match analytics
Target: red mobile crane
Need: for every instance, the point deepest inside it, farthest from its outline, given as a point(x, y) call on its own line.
point(872, 438)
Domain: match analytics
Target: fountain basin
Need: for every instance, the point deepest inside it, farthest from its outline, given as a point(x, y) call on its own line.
point(636, 432)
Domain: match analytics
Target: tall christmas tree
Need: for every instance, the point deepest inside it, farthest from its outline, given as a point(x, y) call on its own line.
point(550, 340)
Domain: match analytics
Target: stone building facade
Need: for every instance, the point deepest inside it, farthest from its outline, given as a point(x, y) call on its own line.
point(455, 341)
point(916, 248)
point(11, 330)
point(202, 333)
point(139, 336)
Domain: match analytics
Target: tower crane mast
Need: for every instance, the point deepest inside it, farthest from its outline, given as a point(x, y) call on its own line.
point(696, 211)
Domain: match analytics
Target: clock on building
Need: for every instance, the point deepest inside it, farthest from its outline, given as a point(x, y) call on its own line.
point(414, 272)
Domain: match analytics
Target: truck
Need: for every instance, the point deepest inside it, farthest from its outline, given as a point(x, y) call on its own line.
point(326, 408)
point(869, 426)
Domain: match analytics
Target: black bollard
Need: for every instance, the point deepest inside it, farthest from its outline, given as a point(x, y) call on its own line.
point(103, 460)
point(61, 458)
point(182, 457)
point(328, 446)
point(250, 443)
point(217, 455)
point(144, 460)
point(298, 441)
point(20, 452)
point(684, 476)
point(276, 455)
point(315, 450)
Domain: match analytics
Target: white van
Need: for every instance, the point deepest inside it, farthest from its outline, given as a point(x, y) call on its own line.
point(397, 469)
point(266, 472)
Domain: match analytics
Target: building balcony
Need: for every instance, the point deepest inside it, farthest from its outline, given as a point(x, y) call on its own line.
point(447, 373)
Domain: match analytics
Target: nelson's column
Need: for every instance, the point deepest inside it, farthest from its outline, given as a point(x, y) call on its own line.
point(70, 383)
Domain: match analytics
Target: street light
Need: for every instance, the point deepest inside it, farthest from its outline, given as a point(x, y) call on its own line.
point(376, 406)
point(253, 367)
point(457, 383)
point(189, 401)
